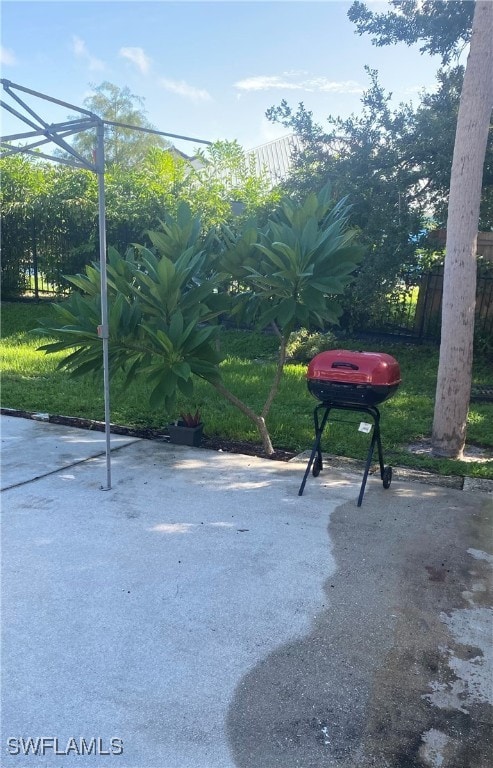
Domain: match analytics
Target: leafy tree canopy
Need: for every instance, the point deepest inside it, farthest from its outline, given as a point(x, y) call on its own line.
point(366, 157)
point(123, 146)
point(56, 207)
point(444, 28)
point(432, 146)
point(394, 164)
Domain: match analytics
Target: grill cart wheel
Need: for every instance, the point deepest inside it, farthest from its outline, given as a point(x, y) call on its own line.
point(316, 467)
point(387, 477)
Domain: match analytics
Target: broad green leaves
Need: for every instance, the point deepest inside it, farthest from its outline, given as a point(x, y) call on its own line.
point(157, 309)
point(295, 266)
point(163, 302)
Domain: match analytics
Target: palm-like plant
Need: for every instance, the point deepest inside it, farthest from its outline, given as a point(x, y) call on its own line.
point(290, 273)
point(162, 301)
point(159, 321)
point(308, 256)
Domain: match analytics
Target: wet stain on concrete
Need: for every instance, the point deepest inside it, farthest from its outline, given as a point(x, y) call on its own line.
point(354, 693)
point(436, 574)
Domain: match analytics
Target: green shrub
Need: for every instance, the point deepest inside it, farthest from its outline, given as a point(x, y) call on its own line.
point(483, 344)
point(303, 345)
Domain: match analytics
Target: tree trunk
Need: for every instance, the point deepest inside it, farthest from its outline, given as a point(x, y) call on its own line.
point(459, 288)
point(281, 361)
point(259, 421)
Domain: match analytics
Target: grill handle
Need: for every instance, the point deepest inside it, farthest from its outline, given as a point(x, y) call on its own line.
point(352, 366)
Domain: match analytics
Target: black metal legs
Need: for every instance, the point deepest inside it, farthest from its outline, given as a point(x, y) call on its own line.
point(315, 460)
point(375, 438)
point(316, 450)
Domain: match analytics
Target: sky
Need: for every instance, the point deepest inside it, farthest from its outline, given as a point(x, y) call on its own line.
point(208, 70)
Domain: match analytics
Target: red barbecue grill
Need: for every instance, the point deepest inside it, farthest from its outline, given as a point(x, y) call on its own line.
point(351, 381)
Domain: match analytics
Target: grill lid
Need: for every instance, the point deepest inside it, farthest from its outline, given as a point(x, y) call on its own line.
point(343, 365)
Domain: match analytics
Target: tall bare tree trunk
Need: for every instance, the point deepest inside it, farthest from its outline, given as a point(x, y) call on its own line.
point(459, 288)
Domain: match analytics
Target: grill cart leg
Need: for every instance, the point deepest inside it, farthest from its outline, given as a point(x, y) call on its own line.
point(316, 450)
point(374, 439)
point(385, 472)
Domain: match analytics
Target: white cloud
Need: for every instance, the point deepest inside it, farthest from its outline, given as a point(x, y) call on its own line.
point(7, 57)
point(80, 50)
point(297, 81)
point(182, 88)
point(412, 90)
point(330, 86)
point(138, 57)
point(266, 83)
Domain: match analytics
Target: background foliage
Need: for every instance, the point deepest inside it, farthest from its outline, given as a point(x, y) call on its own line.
point(394, 165)
point(50, 212)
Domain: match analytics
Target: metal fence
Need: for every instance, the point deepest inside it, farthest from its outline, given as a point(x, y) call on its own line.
point(415, 312)
point(37, 251)
point(37, 264)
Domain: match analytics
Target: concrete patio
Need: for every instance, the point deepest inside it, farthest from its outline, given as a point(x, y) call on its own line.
point(200, 614)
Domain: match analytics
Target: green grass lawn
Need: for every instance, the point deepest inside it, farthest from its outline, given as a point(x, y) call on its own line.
point(31, 382)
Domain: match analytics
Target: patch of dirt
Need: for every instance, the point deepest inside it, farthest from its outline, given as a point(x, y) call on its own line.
point(471, 452)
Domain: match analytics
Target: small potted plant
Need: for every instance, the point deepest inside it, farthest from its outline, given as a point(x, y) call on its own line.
point(187, 430)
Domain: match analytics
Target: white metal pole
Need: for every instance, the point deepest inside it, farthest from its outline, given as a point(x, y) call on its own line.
point(104, 330)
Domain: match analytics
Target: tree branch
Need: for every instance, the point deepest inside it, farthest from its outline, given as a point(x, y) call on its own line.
point(277, 378)
point(259, 421)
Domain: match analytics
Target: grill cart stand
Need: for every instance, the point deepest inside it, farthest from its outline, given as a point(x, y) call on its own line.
point(315, 461)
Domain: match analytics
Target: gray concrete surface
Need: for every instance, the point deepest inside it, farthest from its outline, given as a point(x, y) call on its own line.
point(208, 617)
point(33, 449)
